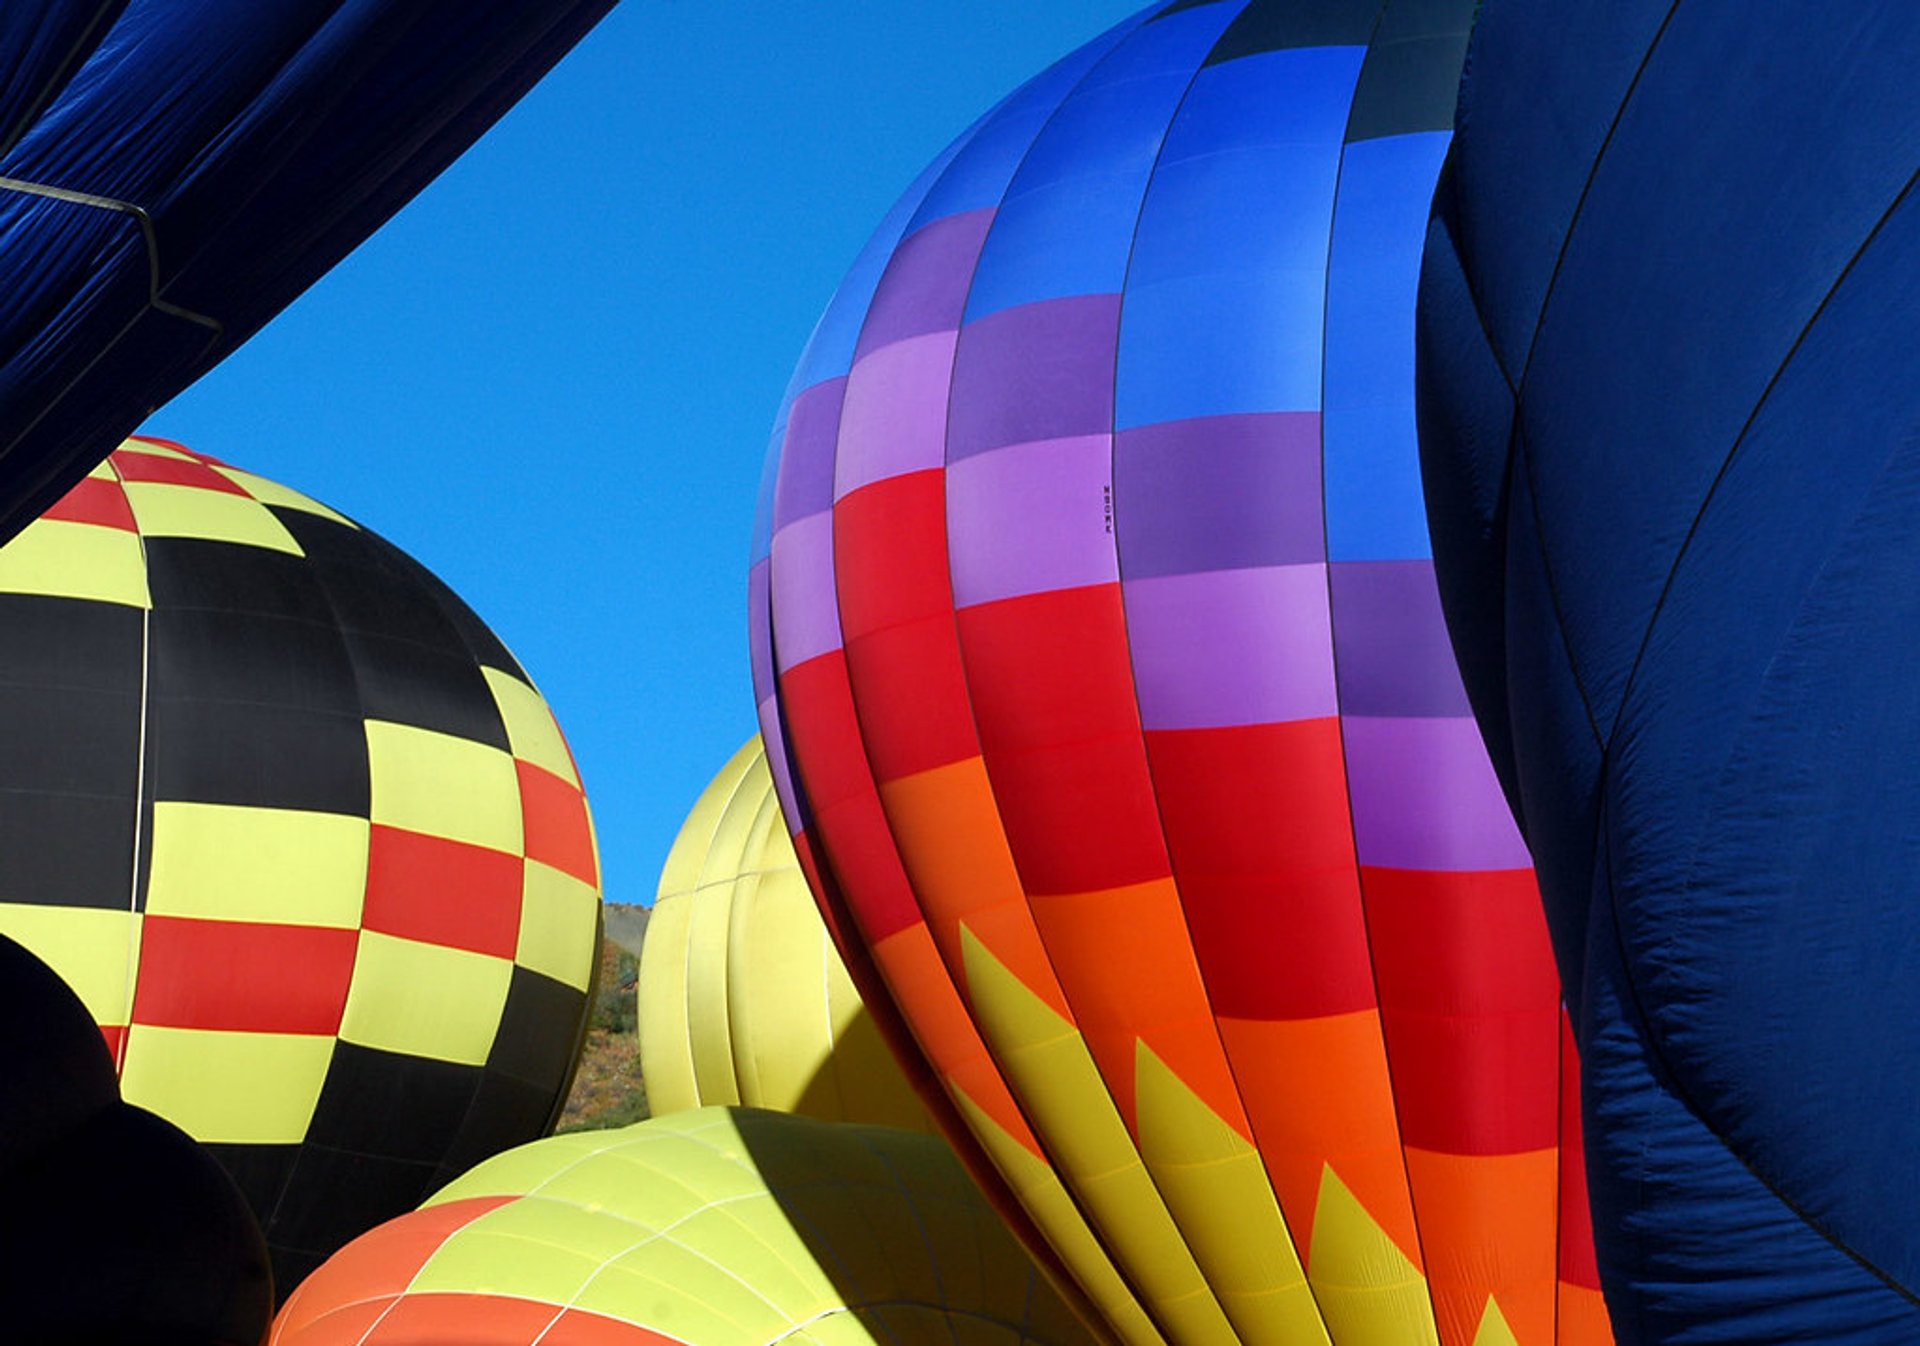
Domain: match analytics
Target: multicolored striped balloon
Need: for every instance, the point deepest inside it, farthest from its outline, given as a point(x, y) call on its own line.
point(1096, 634)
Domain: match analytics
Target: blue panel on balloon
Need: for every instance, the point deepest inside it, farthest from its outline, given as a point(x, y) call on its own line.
point(1226, 297)
point(1300, 96)
point(1066, 227)
point(1374, 507)
point(989, 154)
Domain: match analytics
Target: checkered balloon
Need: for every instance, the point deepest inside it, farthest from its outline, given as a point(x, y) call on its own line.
point(300, 833)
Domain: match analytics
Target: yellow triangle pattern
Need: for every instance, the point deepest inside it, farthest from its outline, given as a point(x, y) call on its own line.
point(1042, 1197)
point(1053, 1075)
point(1368, 1291)
point(1493, 1328)
point(1214, 1183)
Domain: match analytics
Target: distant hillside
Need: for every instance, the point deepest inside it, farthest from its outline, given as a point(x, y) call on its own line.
point(627, 925)
point(607, 1088)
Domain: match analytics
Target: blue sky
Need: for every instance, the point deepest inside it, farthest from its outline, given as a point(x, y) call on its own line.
point(551, 378)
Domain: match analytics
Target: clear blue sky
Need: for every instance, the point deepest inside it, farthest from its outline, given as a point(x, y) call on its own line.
point(552, 377)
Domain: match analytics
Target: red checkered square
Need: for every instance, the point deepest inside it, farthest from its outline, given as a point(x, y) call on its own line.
point(95, 500)
point(554, 822)
point(154, 467)
point(241, 977)
point(442, 892)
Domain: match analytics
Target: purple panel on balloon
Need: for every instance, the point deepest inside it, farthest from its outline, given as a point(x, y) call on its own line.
point(1231, 647)
point(1033, 372)
point(1219, 493)
point(1395, 658)
point(925, 285)
point(1425, 797)
point(791, 805)
point(805, 610)
point(895, 417)
point(759, 629)
point(806, 459)
point(1030, 518)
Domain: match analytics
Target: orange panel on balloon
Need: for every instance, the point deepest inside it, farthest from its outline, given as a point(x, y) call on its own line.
point(944, 1029)
point(1487, 1223)
point(1122, 956)
point(1317, 1093)
point(947, 825)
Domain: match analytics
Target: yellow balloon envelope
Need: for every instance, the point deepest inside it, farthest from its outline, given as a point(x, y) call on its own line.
point(742, 996)
point(717, 1227)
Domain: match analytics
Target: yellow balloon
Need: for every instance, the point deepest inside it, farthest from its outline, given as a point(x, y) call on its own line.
point(717, 1227)
point(742, 996)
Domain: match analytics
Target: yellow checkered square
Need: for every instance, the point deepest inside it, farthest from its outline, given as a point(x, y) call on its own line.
point(227, 1088)
point(164, 509)
point(425, 999)
point(530, 725)
point(444, 786)
point(94, 950)
point(557, 925)
point(76, 560)
point(273, 493)
point(230, 863)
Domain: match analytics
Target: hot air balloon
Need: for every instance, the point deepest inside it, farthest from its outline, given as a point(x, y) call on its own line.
point(742, 998)
point(114, 1226)
point(1105, 682)
point(1667, 419)
point(716, 1227)
point(174, 172)
point(300, 833)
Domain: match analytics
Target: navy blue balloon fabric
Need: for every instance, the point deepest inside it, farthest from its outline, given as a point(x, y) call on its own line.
point(175, 172)
point(1670, 311)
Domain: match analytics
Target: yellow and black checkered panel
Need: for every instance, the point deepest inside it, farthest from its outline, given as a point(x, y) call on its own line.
point(299, 831)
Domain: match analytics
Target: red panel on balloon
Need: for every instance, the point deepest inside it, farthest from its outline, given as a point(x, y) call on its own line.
point(1470, 1005)
point(1050, 668)
point(1464, 943)
point(1578, 1263)
point(171, 471)
point(867, 865)
point(553, 815)
point(890, 553)
point(442, 892)
point(1256, 821)
point(914, 712)
point(243, 977)
point(824, 732)
point(94, 500)
point(1254, 799)
point(1080, 817)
